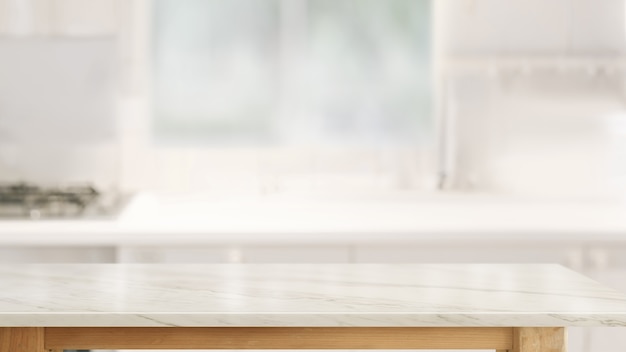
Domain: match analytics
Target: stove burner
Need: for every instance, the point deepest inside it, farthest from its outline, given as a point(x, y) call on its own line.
point(22, 199)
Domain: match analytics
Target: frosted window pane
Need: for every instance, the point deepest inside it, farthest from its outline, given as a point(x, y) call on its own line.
point(215, 68)
point(292, 71)
point(369, 70)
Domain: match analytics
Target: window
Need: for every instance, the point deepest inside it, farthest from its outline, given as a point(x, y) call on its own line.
point(288, 72)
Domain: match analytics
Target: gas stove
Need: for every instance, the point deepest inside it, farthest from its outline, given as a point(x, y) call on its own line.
point(24, 200)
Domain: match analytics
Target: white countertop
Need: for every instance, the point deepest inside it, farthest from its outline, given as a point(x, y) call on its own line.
point(168, 220)
point(304, 295)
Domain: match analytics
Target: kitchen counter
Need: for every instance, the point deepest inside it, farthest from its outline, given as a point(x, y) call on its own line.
point(154, 220)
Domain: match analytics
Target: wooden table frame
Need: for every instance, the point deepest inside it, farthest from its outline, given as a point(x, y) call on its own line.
point(56, 339)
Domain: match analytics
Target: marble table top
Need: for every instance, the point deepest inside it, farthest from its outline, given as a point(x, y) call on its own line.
point(450, 295)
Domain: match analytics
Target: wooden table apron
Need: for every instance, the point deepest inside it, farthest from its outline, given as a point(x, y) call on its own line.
point(512, 339)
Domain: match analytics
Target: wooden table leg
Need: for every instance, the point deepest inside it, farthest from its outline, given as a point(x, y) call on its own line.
point(539, 340)
point(21, 340)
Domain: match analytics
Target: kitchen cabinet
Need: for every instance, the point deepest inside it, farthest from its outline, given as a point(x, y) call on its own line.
point(151, 254)
point(459, 252)
point(296, 254)
point(60, 254)
point(234, 254)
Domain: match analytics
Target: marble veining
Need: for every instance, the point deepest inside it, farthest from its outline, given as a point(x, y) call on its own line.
point(304, 295)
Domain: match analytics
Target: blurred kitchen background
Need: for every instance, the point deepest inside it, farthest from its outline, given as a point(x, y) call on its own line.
point(316, 131)
point(264, 96)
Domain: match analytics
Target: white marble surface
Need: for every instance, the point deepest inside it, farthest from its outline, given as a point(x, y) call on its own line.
point(304, 295)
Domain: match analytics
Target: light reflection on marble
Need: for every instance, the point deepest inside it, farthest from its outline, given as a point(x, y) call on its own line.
point(304, 295)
